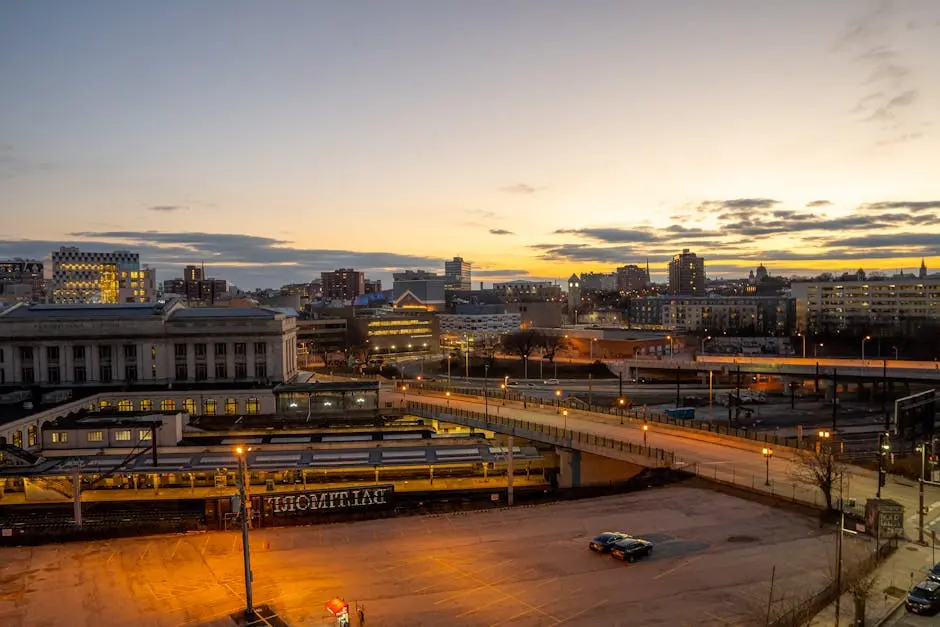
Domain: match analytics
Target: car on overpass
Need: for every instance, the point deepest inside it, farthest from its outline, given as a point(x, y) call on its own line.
point(604, 541)
point(631, 549)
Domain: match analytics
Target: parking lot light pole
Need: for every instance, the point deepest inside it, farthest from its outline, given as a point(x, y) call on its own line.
point(565, 414)
point(557, 401)
point(767, 452)
point(864, 339)
point(621, 402)
point(646, 428)
point(241, 456)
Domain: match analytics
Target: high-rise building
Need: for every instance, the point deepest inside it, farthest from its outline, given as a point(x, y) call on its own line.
point(22, 272)
point(373, 286)
point(599, 281)
point(457, 274)
point(632, 278)
point(343, 284)
point(195, 286)
point(687, 274)
point(74, 276)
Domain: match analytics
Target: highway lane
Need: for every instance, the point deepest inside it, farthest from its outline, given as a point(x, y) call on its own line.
point(745, 463)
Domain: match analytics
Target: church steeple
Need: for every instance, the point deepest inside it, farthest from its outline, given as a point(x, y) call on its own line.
point(923, 269)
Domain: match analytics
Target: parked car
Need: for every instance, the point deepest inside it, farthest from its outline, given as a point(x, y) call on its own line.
point(551, 381)
point(934, 573)
point(604, 541)
point(924, 598)
point(631, 549)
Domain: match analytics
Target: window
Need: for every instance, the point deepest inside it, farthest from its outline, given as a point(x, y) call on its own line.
point(231, 407)
point(79, 375)
point(260, 348)
point(125, 405)
point(200, 350)
point(130, 352)
point(124, 435)
point(180, 351)
point(253, 406)
point(60, 437)
point(52, 353)
point(104, 353)
point(202, 372)
point(181, 372)
point(26, 353)
point(240, 348)
point(208, 407)
point(95, 436)
point(190, 405)
point(221, 371)
point(220, 350)
point(130, 373)
point(18, 438)
point(241, 371)
point(153, 352)
point(28, 375)
point(104, 404)
point(52, 373)
point(261, 371)
point(105, 373)
point(31, 438)
point(168, 404)
point(144, 434)
point(146, 405)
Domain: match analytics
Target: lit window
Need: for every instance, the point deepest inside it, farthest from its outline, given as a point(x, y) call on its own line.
point(253, 406)
point(231, 406)
point(168, 404)
point(146, 405)
point(190, 405)
point(104, 404)
point(144, 434)
point(208, 407)
point(95, 436)
point(60, 437)
point(122, 436)
point(125, 405)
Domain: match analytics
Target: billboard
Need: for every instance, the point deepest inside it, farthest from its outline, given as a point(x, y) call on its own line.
point(914, 416)
point(327, 501)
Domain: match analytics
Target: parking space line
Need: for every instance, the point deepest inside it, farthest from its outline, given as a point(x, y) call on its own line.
point(721, 619)
point(675, 568)
point(585, 610)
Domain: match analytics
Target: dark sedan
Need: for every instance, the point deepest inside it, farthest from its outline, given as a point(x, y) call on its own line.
point(603, 542)
point(934, 572)
point(924, 598)
point(631, 549)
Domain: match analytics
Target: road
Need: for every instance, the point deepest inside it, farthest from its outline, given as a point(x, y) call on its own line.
point(726, 461)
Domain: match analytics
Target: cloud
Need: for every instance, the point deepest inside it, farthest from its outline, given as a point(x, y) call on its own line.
point(897, 243)
point(500, 232)
point(13, 164)
point(520, 188)
point(165, 208)
point(819, 203)
point(500, 273)
point(716, 206)
point(614, 235)
point(912, 206)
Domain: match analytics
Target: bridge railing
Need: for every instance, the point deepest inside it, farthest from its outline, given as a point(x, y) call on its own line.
point(633, 414)
point(564, 437)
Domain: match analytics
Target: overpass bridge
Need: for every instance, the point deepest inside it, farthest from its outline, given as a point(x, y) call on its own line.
point(719, 457)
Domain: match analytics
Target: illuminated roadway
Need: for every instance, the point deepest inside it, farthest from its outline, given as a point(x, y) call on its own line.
point(745, 465)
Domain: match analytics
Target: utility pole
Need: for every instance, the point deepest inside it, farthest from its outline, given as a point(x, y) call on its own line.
point(816, 387)
point(486, 406)
point(920, 509)
point(509, 471)
point(590, 391)
point(839, 550)
point(678, 392)
point(620, 376)
point(884, 393)
point(245, 512)
point(835, 398)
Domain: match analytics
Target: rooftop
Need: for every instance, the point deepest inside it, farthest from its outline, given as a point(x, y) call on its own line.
point(73, 311)
point(225, 312)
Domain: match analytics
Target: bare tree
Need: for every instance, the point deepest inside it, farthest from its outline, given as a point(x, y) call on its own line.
point(820, 468)
point(551, 344)
point(522, 343)
point(862, 589)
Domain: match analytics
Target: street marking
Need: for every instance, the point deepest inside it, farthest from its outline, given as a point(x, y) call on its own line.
point(596, 606)
point(675, 568)
point(718, 618)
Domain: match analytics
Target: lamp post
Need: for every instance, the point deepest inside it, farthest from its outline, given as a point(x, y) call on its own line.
point(864, 339)
point(636, 365)
point(803, 335)
point(447, 394)
point(404, 388)
point(895, 349)
point(245, 512)
point(669, 337)
point(448, 369)
point(920, 510)
point(565, 414)
point(620, 401)
point(486, 407)
point(557, 400)
point(816, 348)
point(593, 339)
point(646, 429)
point(767, 453)
point(705, 340)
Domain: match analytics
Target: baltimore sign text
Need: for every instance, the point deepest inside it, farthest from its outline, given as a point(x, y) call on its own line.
point(327, 500)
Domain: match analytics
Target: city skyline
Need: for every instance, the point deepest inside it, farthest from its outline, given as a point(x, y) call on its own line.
point(533, 140)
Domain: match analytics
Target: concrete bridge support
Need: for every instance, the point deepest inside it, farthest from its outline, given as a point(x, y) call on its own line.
point(577, 469)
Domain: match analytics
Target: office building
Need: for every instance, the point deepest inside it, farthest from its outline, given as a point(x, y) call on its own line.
point(598, 281)
point(895, 305)
point(373, 286)
point(195, 286)
point(75, 277)
point(417, 289)
point(632, 278)
point(24, 277)
point(411, 332)
point(343, 284)
point(758, 315)
point(526, 291)
point(687, 274)
point(144, 343)
point(478, 321)
point(457, 274)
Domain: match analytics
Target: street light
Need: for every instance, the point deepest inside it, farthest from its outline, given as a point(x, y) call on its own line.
point(557, 400)
point(802, 335)
point(705, 340)
point(816, 347)
point(864, 339)
point(565, 414)
point(646, 428)
point(404, 388)
point(244, 511)
point(593, 339)
point(621, 402)
point(669, 337)
point(767, 453)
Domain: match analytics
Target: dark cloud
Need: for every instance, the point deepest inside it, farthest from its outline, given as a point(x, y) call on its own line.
point(165, 208)
point(614, 235)
point(819, 203)
point(738, 204)
point(520, 188)
point(899, 244)
point(913, 206)
point(500, 232)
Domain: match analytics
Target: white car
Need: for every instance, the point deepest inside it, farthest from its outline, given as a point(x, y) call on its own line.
point(551, 382)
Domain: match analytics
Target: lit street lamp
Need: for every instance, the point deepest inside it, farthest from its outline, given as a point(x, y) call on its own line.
point(864, 339)
point(565, 414)
point(669, 337)
point(767, 453)
point(803, 335)
point(593, 339)
point(816, 348)
point(646, 428)
point(557, 400)
point(708, 338)
point(404, 388)
point(244, 512)
point(620, 401)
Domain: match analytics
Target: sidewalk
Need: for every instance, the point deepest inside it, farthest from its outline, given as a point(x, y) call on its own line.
point(906, 567)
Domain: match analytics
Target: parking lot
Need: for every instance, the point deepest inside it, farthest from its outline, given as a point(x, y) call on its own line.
point(530, 566)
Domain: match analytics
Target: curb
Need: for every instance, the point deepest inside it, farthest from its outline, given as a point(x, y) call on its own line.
point(891, 613)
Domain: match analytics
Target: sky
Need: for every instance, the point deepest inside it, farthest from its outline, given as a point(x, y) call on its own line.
point(274, 140)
